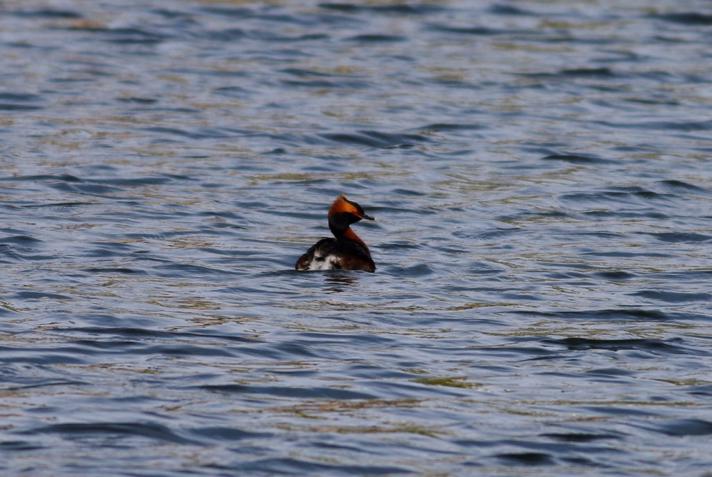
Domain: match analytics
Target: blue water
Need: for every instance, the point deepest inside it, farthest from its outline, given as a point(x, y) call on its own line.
point(541, 179)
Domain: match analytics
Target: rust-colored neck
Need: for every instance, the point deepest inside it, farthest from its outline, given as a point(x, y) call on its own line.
point(351, 235)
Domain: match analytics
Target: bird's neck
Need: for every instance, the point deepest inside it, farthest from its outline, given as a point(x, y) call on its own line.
point(347, 234)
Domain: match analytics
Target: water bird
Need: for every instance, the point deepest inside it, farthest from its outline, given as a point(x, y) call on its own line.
point(345, 252)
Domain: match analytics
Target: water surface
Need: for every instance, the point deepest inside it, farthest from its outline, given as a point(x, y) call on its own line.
point(541, 180)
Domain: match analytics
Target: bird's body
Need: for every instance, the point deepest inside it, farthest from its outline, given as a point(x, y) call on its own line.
point(344, 252)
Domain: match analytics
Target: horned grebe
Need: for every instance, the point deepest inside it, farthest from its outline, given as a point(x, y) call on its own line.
point(347, 251)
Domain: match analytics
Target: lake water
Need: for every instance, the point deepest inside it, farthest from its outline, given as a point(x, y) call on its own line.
point(541, 179)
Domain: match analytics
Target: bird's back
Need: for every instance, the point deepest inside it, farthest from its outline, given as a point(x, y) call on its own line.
point(333, 254)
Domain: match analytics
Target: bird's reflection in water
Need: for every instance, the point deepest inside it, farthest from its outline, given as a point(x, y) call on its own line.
point(338, 281)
